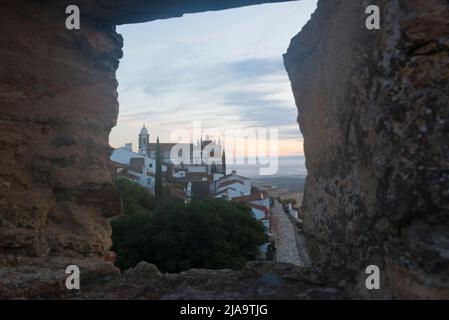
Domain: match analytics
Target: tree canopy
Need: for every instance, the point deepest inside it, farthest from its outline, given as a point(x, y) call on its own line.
point(135, 199)
point(212, 233)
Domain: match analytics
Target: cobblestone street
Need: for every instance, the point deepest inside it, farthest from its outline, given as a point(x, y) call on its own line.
point(290, 245)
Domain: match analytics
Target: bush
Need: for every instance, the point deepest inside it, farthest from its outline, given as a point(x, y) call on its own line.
point(212, 233)
point(135, 199)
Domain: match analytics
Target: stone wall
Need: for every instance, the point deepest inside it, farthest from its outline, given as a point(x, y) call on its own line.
point(373, 109)
point(58, 103)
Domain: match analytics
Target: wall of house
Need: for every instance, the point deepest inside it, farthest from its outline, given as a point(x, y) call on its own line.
point(237, 189)
point(259, 214)
point(124, 156)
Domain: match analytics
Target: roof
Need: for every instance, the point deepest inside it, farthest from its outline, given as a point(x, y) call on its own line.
point(123, 155)
point(256, 206)
point(163, 145)
point(143, 130)
point(192, 176)
point(118, 165)
point(235, 175)
point(252, 197)
point(128, 175)
point(227, 183)
point(224, 191)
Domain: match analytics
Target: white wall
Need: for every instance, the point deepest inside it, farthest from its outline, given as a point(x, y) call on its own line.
point(179, 174)
point(123, 156)
point(196, 169)
point(262, 202)
point(245, 189)
point(259, 214)
point(241, 189)
point(144, 179)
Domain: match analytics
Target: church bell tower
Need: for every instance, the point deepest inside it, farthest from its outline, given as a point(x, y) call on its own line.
point(144, 142)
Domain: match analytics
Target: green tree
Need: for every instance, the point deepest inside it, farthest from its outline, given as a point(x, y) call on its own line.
point(135, 199)
point(158, 186)
point(212, 233)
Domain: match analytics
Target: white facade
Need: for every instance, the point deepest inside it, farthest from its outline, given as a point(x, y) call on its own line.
point(143, 180)
point(196, 168)
point(146, 179)
point(179, 174)
point(236, 188)
point(258, 213)
point(123, 155)
point(262, 202)
point(241, 186)
point(228, 193)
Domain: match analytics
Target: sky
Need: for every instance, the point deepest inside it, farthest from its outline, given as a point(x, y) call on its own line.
point(222, 68)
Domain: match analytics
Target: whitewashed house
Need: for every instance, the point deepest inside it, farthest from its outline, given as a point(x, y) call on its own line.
point(232, 186)
point(135, 167)
point(124, 155)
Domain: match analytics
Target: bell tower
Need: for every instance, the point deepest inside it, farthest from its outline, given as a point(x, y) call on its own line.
point(144, 142)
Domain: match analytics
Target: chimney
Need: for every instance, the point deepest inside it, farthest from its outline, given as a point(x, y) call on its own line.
point(129, 146)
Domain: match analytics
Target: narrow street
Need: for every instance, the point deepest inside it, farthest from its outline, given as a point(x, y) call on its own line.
point(290, 243)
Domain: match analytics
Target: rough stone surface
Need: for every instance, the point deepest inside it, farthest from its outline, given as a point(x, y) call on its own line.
point(58, 104)
point(132, 11)
point(40, 278)
point(374, 111)
point(258, 280)
point(373, 108)
point(287, 250)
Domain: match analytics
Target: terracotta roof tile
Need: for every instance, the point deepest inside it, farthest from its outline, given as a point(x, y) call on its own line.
point(252, 197)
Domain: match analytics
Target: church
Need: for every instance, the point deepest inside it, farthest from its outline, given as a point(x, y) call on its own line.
point(188, 155)
point(190, 178)
point(186, 169)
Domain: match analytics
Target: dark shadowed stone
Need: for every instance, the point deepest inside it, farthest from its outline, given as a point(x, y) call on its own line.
point(271, 279)
point(64, 141)
point(143, 269)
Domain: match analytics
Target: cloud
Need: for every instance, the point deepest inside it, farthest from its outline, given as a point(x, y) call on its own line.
point(248, 91)
point(224, 69)
point(257, 67)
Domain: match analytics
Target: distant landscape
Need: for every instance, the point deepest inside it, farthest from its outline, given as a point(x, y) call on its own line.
point(290, 175)
point(291, 183)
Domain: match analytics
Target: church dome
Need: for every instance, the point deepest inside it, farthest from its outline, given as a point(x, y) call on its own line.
point(144, 130)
